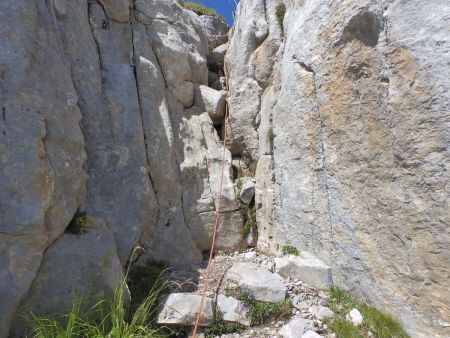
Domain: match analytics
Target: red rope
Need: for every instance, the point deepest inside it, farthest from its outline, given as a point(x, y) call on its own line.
point(216, 222)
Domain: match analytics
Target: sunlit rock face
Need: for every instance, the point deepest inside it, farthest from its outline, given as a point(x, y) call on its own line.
point(347, 113)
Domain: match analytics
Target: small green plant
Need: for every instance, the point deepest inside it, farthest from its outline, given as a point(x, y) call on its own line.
point(261, 312)
point(290, 250)
point(219, 327)
point(270, 134)
point(198, 8)
point(378, 323)
point(280, 11)
point(249, 214)
point(79, 224)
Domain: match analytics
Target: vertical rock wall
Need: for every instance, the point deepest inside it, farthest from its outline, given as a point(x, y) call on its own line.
point(98, 116)
point(352, 123)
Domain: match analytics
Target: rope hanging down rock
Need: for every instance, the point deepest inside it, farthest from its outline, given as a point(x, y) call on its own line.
point(216, 221)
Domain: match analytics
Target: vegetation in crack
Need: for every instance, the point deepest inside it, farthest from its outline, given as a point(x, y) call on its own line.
point(249, 213)
point(377, 323)
point(261, 312)
point(79, 224)
point(220, 327)
point(199, 8)
point(290, 250)
point(270, 135)
point(280, 11)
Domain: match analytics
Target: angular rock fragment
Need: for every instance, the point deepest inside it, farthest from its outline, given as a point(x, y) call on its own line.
point(233, 310)
point(181, 308)
point(247, 190)
point(258, 281)
point(321, 312)
point(305, 267)
point(296, 327)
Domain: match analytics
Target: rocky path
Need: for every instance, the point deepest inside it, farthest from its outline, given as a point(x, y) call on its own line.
point(269, 279)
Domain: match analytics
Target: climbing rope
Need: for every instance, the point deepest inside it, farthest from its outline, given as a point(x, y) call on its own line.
point(216, 221)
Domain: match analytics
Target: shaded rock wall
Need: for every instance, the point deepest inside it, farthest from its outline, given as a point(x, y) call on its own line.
point(97, 115)
point(347, 113)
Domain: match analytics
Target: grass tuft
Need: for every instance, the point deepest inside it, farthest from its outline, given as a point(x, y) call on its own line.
point(261, 312)
point(111, 318)
point(378, 323)
point(290, 250)
point(79, 224)
point(220, 327)
point(249, 214)
point(198, 8)
point(280, 11)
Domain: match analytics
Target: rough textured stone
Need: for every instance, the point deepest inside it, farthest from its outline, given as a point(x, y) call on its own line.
point(321, 312)
point(233, 310)
point(258, 281)
point(295, 328)
point(181, 308)
point(305, 267)
point(358, 102)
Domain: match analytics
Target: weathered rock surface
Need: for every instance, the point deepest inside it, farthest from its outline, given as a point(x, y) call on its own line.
point(258, 281)
point(311, 334)
point(305, 267)
point(296, 328)
point(358, 104)
point(181, 308)
point(92, 104)
point(233, 310)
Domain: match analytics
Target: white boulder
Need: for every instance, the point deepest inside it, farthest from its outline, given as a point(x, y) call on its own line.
point(355, 317)
point(181, 308)
point(305, 267)
point(259, 281)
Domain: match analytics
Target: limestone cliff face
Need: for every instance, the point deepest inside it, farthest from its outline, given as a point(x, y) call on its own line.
point(98, 115)
point(347, 113)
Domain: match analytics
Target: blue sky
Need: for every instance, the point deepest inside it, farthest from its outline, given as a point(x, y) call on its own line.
point(223, 7)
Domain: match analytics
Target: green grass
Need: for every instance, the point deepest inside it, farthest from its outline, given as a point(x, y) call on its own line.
point(280, 11)
point(270, 135)
point(115, 317)
point(79, 224)
point(220, 327)
point(261, 312)
point(106, 319)
point(198, 8)
point(380, 324)
point(290, 250)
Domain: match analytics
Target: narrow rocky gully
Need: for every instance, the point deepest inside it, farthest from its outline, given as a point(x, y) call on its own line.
point(248, 294)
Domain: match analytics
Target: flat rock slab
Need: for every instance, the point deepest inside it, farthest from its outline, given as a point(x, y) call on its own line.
point(305, 267)
point(180, 309)
point(259, 281)
point(233, 310)
point(296, 327)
